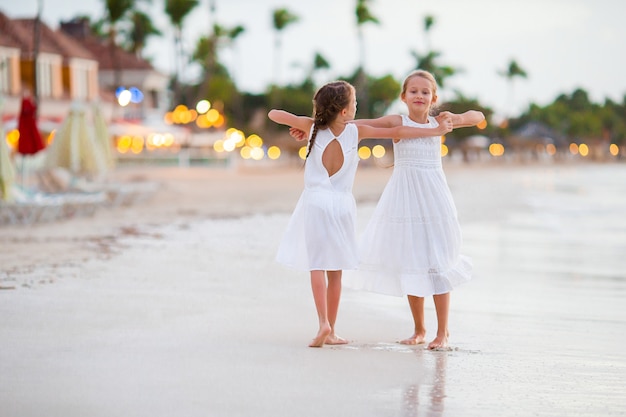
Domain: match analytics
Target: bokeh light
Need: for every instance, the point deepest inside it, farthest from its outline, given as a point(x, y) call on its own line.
point(273, 152)
point(218, 146)
point(203, 106)
point(123, 99)
point(378, 151)
point(246, 152)
point(365, 152)
point(257, 154)
point(496, 149)
point(13, 137)
point(614, 149)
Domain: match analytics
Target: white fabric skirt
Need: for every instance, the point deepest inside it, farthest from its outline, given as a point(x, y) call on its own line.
point(411, 245)
point(321, 234)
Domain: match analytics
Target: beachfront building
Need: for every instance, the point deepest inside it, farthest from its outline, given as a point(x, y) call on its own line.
point(65, 71)
point(119, 70)
point(73, 66)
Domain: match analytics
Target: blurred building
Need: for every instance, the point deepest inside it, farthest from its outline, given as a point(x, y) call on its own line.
point(73, 65)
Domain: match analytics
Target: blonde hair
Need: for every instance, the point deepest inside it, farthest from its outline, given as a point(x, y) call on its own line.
point(424, 74)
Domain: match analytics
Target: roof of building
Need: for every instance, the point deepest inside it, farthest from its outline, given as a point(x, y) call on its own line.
point(78, 29)
point(21, 33)
point(73, 39)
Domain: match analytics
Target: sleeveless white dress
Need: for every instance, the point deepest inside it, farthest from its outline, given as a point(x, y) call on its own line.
point(411, 245)
point(321, 234)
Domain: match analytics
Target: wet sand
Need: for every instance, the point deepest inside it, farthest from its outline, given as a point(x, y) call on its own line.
point(176, 306)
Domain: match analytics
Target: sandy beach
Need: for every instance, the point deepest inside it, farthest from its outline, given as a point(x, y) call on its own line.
point(175, 306)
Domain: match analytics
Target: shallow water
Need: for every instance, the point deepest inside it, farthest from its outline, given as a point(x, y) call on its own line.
point(541, 328)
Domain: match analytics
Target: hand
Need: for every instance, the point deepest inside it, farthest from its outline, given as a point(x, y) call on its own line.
point(445, 123)
point(297, 134)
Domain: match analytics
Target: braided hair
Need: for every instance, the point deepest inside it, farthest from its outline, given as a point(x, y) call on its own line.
point(328, 102)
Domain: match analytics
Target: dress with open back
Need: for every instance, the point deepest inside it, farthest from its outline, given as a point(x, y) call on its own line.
point(321, 234)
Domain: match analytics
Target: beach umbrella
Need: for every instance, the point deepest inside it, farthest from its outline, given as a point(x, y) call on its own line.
point(103, 136)
point(30, 141)
point(74, 146)
point(7, 171)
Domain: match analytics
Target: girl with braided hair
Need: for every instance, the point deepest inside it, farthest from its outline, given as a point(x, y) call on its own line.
point(321, 234)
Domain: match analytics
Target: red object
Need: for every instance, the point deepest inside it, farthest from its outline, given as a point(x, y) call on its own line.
point(30, 141)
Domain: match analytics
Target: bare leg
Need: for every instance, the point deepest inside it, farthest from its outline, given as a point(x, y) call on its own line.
point(442, 306)
point(318, 285)
point(333, 297)
point(417, 311)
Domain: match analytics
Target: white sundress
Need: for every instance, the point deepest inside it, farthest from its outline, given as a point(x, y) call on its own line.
point(321, 234)
point(411, 245)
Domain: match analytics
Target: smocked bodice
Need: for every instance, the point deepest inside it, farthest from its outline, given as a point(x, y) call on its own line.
point(420, 152)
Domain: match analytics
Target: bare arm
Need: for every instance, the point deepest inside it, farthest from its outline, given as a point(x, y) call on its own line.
point(404, 132)
point(384, 121)
point(467, 119)
point(282, 117)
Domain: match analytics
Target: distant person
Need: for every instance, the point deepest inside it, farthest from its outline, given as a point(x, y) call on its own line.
point(411, 245)
point(321, 235)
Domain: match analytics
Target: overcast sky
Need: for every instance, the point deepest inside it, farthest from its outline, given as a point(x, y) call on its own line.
point(562, 44)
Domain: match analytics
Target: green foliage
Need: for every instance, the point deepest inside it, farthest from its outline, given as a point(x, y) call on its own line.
point(513, 70)
point(283, 18)
point(363, 14)
point(382, 93)
point(177, 10)
point(429, 62)
point(577, 118)
point(573, 116)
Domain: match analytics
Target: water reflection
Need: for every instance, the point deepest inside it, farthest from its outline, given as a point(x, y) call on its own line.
point(427, 399)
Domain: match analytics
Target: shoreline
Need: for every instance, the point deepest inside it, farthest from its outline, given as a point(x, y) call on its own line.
point(192, 194)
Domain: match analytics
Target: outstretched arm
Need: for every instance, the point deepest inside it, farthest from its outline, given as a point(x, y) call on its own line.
point(391, 120)
point(289, 119)
point(404, 132)
point(467, 119)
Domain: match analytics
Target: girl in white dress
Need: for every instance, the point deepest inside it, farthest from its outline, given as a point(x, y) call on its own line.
point(321, 235)
point(411, 246)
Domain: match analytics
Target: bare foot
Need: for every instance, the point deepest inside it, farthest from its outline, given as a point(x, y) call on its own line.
point(333, 339)
point(440, 342)
point(321, 337)
point(416, 339)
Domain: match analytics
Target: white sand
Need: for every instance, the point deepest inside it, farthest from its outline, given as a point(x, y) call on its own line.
point(175, 307)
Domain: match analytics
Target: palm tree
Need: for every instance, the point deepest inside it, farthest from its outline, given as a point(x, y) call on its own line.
point(116, 11)
point(363, 16)
point(281, 19)
point(207, 49)
point(177, 11)
point(141, 29)
point(513, 71)
point(319, 63)
point(429, 22)
point(429, 63)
